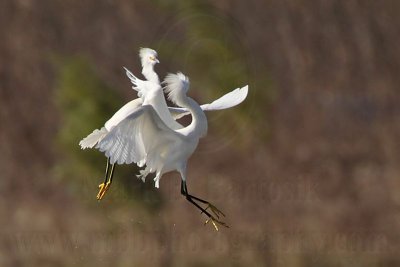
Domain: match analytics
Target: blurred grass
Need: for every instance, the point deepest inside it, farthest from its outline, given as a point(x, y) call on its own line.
point(306, 168)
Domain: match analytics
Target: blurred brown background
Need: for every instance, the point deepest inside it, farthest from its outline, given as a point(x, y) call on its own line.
point(307, 169)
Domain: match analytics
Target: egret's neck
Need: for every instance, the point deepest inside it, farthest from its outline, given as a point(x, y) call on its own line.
point(198, 126)
point(149, 73)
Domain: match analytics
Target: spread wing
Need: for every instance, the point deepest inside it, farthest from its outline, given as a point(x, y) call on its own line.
point(138, 84)
point(142, 138)
point(122, 113)
point(97, 135)
point(228, 100)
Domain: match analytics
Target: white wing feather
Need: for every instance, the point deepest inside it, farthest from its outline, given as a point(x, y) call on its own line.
point(122, 113)
point(228, 100)
point(92, 139)
point(97, 135)
point(138, 84)
point(138, 138)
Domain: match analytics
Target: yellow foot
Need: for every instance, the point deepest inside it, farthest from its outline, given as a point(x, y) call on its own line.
point(217, 212)
point(215, 222)
point(103, 189)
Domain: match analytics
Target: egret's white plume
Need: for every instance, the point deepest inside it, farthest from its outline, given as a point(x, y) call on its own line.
point(177, 85)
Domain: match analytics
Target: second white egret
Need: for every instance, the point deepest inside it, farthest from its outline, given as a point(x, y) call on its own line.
point(143, 138)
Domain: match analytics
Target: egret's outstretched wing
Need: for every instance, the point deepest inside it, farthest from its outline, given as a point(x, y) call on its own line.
point(123, 112)
point(138, 84)
point(138, 138)
point(97, 135)
point(228, 100)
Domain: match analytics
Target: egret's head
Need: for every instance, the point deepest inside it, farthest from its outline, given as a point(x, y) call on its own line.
point(148, 56)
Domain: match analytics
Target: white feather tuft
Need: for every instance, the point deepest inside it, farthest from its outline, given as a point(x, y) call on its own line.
point(177, 85)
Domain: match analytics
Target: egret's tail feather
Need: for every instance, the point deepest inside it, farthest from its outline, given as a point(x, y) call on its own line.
point(92, 139)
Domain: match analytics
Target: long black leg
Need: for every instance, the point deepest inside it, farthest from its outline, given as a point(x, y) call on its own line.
point(201, 200)
point(185, 192)
point(184, 188)
point(190, 198)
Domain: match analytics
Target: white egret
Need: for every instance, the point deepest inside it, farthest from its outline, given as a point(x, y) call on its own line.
point(144, 138)
point(151, 93)
point(152, 102)
point(156, 100)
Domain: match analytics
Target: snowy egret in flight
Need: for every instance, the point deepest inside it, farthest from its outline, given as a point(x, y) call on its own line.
point(151, 93)
point(145, 132)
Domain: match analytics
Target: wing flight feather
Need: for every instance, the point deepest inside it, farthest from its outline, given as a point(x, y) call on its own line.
point(136, 137)
point(228, 100)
